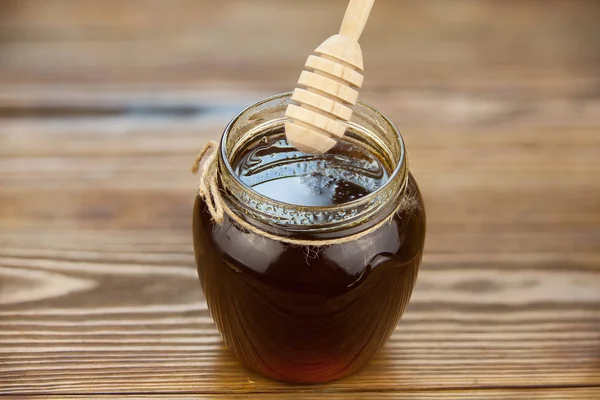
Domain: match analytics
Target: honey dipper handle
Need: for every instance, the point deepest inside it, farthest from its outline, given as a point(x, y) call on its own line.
point(356, 18)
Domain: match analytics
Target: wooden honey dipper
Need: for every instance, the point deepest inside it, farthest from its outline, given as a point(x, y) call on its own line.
point(327, 88)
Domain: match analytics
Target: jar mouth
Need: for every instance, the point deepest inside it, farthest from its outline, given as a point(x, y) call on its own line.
point(398, 170)
point(254, 115)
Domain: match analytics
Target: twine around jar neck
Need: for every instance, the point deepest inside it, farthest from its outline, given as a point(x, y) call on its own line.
point(207, 164)
point(208, 188)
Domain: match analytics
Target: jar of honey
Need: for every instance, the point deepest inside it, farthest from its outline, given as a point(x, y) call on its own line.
point(307, 261)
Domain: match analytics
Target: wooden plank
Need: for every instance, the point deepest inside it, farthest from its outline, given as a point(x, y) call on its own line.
point(268, 41)
point(506, 394)
point(123, 310)
point(487, 168)
point(102, 108)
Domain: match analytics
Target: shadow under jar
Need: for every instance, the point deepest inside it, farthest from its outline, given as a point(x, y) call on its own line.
point(320, 310)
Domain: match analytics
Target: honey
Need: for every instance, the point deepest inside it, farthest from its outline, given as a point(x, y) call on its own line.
point(309, 313)
point(275, 169)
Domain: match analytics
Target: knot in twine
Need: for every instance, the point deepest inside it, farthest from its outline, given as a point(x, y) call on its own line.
point(207, 164)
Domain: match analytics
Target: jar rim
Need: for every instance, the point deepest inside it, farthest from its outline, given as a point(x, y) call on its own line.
point(400, 167)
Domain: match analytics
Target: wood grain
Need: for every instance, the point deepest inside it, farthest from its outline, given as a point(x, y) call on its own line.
point(103, 108)
point(96, 172)
point(95, 219)
point(147, 328)
point(511, 394)
point(508, 394)
point(266, 42)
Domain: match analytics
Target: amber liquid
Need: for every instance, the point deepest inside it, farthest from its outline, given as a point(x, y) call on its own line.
point(275, 169)
point(308, 314)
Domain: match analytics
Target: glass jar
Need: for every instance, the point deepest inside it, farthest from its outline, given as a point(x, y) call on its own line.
point(300, 291)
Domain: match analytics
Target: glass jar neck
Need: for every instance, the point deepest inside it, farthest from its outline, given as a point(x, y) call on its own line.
point(368, 129)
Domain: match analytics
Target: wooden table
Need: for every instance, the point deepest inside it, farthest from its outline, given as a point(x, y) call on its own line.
point(104, 104)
